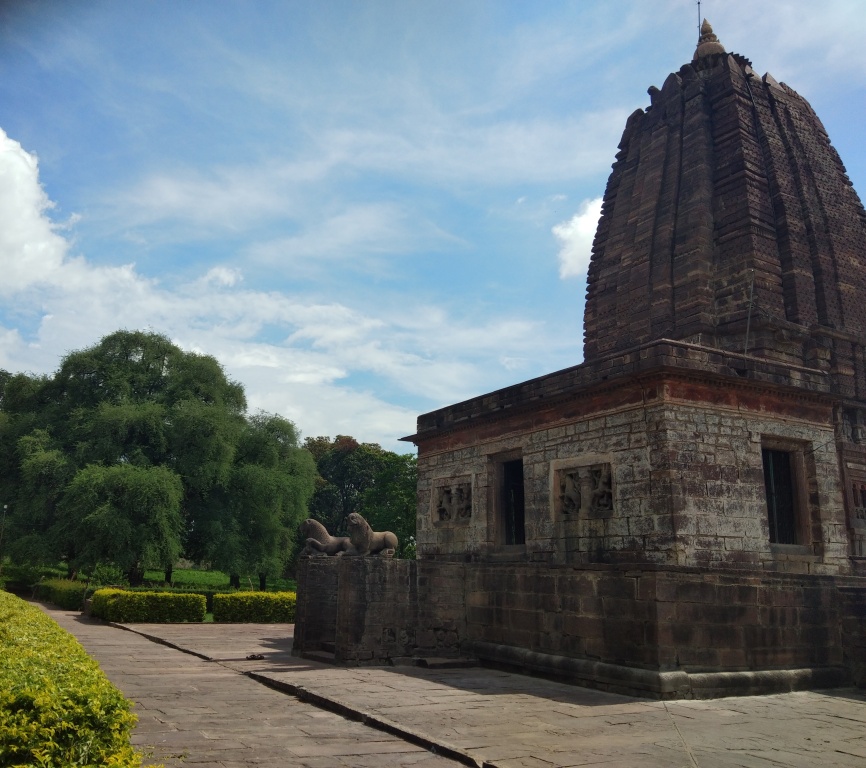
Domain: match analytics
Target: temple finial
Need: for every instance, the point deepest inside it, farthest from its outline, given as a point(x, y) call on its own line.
point(708, 42)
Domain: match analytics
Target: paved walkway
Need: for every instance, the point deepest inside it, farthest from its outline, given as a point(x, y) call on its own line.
point(200, 714)
point(227, 713)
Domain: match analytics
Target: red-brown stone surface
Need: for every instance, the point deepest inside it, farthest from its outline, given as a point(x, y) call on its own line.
point(725, 176)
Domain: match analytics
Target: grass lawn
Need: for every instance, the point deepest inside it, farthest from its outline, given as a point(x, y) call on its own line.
point(181, 577)
point(190, 577)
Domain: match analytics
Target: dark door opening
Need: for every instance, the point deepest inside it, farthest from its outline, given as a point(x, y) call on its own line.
point(512, 502)
point(779, 485)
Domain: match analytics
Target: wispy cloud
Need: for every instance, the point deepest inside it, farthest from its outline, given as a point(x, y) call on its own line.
point(350, 239)
point(326, 364)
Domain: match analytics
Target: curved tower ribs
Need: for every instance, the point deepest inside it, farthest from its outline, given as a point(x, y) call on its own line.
point(728, 181)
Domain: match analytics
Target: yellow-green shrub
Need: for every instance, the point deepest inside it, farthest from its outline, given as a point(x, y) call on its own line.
point(63, 593)
point(154, 607)
point(56, 705)
point(208, 593)
point(255, 607)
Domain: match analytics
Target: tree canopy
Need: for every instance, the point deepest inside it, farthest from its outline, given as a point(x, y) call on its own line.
point(136, 451)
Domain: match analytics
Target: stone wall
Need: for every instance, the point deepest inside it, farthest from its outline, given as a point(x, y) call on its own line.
point(367, 610)
point(656, 630)
point(664, 618)
point(316, 606)
point(372, 623)
point(667, 469)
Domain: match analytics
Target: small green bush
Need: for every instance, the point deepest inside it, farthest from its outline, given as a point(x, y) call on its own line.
point(63, 593)
point(153, 607)
point(56, 706)
point(255, 607)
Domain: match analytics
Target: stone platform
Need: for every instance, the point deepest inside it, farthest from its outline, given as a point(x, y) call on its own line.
point(661, 632)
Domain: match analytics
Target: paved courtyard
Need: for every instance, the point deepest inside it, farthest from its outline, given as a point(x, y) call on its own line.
point(202, 702)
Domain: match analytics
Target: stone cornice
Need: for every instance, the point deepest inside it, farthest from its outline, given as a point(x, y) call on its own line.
point(647, 364)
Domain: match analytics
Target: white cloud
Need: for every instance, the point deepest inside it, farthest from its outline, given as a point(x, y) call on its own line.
point(575, 237)
point(31, 250)
point(223, 276)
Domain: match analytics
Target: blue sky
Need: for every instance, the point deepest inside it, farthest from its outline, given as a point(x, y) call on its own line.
point(364, 210)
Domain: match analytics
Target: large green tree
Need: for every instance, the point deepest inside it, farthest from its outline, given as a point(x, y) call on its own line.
point(251, 526)
point(364, 478)
point(135, 451)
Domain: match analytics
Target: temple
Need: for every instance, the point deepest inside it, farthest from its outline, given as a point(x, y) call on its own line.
point(684, 513)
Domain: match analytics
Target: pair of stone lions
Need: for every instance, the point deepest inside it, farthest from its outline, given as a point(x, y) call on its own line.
point(361, 541)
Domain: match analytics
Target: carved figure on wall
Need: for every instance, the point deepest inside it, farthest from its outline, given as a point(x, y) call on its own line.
point(569, 492)
point(851, 426)
point(463, 502)
point(365, 541)
point(602, 491)
point(859, 496)
point(320, 542)
point(443, 508)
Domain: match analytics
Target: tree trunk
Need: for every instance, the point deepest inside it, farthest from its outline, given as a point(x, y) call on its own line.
point(135, 575)
point(262, 579)
point(235, 580)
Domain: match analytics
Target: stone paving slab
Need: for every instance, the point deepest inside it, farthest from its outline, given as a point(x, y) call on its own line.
point(496, 719)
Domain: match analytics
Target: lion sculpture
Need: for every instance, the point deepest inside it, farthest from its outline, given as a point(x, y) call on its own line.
point(365, 541)
point(320, 542)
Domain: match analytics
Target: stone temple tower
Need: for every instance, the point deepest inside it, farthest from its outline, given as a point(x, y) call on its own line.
point(684, 513)
point(729, 215)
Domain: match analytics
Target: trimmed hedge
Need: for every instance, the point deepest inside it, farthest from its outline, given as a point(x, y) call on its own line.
point(255, 607)
point(63, 593)
point(208, 593)
point(56, 705)
point(153, 607)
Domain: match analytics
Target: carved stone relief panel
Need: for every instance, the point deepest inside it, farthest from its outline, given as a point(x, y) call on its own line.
point(452, 501)
point(584, 491)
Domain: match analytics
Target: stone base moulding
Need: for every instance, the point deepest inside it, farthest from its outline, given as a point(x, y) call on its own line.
point(618, 678)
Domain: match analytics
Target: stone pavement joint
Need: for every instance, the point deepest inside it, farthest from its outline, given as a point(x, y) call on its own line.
point(158, 640)
point(437, 747)
point(679, 733)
